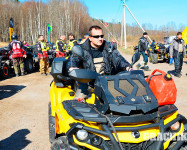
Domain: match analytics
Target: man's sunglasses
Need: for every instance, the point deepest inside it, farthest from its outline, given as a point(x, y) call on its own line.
point(97, 36)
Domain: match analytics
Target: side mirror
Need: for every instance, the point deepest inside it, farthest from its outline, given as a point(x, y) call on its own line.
point(78, 51)
point(135, 58)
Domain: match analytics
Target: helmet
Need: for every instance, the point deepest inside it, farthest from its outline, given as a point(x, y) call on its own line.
point(14, 37)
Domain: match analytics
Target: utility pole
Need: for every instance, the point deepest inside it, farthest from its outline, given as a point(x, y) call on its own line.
point(122, 32)
point(123, 27)
point(137, 21)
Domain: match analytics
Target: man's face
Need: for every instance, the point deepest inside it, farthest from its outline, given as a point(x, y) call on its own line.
point(146, 36)
point(63, 37)
point(179, 36)
point(71, 37)
point(41, 38)
point(96, 37)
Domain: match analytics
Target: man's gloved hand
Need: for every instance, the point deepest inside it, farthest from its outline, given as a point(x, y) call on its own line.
point(171, 61)
point(72, 68)
point(25, 56)
point(129, 69)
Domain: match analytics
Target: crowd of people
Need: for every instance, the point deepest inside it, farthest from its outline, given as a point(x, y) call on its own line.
point(17, 52)
point(99, 55)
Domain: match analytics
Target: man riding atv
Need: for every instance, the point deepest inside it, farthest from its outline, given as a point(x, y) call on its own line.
point(99, 55)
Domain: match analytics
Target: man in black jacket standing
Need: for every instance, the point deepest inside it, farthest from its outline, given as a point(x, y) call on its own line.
point(99, 56)
point(143, 49)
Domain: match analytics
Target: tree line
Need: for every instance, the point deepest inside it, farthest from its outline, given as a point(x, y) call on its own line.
point(31, 18)
point(65, 16)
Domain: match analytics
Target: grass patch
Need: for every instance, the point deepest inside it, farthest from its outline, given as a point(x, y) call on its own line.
point(128, 51)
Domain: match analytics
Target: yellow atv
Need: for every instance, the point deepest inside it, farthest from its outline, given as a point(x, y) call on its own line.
point(158, 51)
point(118, 112)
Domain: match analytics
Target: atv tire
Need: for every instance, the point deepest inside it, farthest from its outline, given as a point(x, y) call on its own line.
point(51, 126)
point(151, 57)
point(5, 72)
point(28, 65)
point(154, 59)
point(60, 144)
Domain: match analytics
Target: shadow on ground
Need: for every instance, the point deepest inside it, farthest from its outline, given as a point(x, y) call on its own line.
point(9, 90)
point(16, 141)
point(12, 75)
point(9, 76)
point(162, 61)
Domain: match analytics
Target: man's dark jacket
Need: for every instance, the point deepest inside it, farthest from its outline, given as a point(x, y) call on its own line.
point(143, 44)
point(114, 62)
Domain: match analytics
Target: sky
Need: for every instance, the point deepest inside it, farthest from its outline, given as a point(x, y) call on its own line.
point(155, 12)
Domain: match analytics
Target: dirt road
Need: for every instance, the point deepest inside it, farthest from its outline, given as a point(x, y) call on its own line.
point(23, 112)
point(24, 109)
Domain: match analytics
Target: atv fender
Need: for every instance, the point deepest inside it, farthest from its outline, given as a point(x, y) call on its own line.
point(58, 95)
point(53, 99)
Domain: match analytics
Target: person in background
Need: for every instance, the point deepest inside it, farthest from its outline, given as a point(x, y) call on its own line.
point(86, 36)
point(61, 46)
point(25, 43)
point(143, 48)
point(177, 52)
point(153, 43)
point(115, 42)
point(43, 55)
point(72, 42)
point(17, 53)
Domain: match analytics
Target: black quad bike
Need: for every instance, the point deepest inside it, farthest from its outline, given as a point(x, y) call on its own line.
point(32, 61)
point(158, 52)
point(52, 53)
point(5, 63)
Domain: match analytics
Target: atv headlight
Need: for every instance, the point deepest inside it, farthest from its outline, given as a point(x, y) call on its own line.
point(82, 135)
point(175, 126)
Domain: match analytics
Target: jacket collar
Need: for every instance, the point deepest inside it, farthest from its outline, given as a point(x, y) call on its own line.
point(177, 40)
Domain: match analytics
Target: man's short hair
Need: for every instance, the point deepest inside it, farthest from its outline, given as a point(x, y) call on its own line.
point(40, 35)
point(179, 33)
point(145, 33)
point(96, 27)
point(71, 34)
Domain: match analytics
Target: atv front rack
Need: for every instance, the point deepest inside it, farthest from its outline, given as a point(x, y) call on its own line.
point(82, 111)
